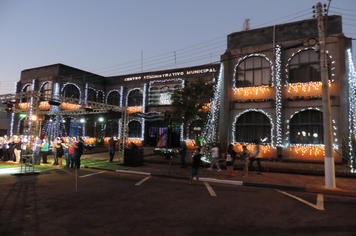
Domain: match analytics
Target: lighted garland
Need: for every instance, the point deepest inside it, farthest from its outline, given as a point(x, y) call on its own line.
point(210, 134)
point(141, 121)
point(111, 91)
point(352, 100)
point(255, 110)
point(278, 97)
point(254, 100)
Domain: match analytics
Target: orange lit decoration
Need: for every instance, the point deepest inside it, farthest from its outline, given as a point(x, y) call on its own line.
point(134, 109)
point(90, 141)
point(252, 93)
point(69, 106)
point(311, 89)
point(190, 144)
point(205, 108)
point(136, 141)
point(307, 152)
point(265, 150)
point(26, 106)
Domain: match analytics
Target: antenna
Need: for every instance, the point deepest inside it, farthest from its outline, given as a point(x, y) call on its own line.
point(246, 25)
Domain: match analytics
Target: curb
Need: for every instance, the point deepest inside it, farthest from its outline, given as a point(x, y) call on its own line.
point(338, 192)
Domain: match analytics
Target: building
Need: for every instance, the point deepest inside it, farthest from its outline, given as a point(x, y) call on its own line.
point(268, 88)
point(272, 91)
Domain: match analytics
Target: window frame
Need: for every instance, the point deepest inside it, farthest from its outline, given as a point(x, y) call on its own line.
point(243, 69)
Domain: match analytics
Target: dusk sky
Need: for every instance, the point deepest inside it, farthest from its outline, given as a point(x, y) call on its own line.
point(109, 37)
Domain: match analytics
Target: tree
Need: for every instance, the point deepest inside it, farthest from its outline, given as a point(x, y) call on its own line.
point(188, 102)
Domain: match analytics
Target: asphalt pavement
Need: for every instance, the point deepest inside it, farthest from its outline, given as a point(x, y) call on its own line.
point(304, 180)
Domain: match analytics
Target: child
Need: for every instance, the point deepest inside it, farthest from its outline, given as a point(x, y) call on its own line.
point(229, 165)
point(195, 158)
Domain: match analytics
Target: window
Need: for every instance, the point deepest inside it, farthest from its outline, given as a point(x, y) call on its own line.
point(253, 125)
point(135, 98)
point(253, 71)
point(305, 67)
point(26, 89)
point(153, 96)
point(306, 127)
point(101, 97)
point(71, 91)
point(46, 90)
point(91, 95)
point(114, 98)
point(135, 129)
point(112, 129)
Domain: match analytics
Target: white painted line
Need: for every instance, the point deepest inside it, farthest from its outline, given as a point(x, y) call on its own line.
point(83, 176)
point(319, 204)
point(133, 172)
point(221, 181)
point(211, 191)
point(142, 181)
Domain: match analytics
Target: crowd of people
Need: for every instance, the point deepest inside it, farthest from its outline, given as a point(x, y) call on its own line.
point(246, 159)
point(16, 149)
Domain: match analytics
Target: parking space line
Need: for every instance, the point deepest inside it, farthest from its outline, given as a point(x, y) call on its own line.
point(142, 181)
point(83, 176)
point(319, 201)
point(211, 191)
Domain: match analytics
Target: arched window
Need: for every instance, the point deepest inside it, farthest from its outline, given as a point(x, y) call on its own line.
point(114, 98)
point(306, 127)
point(253, 71)
point(112, 129)
point(253, 125)
point(135, 129)
point(26, 89)
point(91, 95)
point(195, 129)
point(101, 97)
point(135, 98)
point(46, 90)
point(71, 91)
point(305, 67)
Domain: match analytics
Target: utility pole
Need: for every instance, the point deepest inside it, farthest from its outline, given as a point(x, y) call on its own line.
point(329, 164)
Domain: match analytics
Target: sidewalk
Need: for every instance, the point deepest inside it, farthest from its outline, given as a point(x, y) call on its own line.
point(307, 180)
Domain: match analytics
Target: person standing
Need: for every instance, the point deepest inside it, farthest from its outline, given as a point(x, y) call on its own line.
point(215, 155)
point(17, 150)
point(60, 151)
point(229, 166)
point(44, 150)
point(256, 156)
point(37, 150)
point(112, 144)
point(183, 154)
point(66, 151)
point(244, 160)
point(78, 151)
point(10, 150)
point(195, 158)
point(233, 153)
point(54, 151)
point(71, 152)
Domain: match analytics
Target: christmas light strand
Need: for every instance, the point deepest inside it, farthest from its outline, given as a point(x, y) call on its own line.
point(279, 142)
point(352, 100)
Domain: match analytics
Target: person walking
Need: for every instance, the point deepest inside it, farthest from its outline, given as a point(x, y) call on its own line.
point(256, 156)
point(195, 158)
point(78, 151)
point(183, 153)
point(244, 160)
point(215, 155)
point(112, 144)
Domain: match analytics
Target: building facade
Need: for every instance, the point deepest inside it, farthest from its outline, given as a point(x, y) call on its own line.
point(268, 89)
